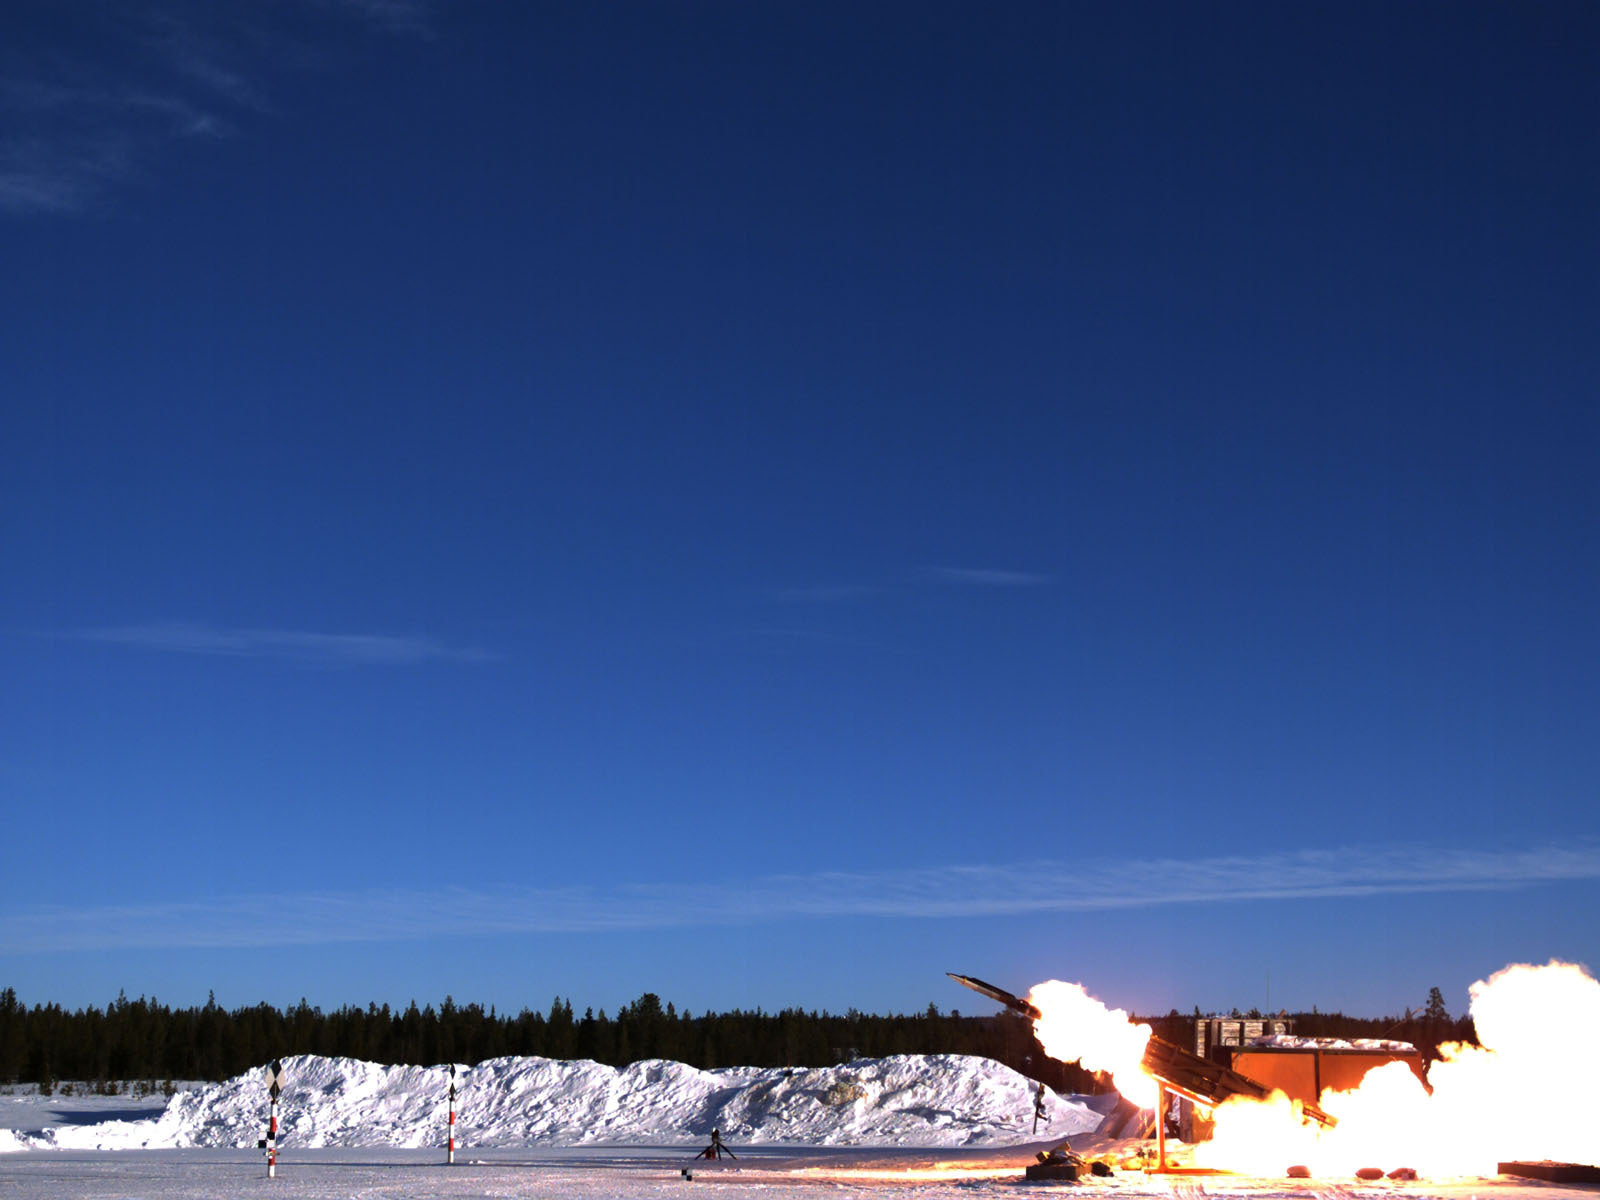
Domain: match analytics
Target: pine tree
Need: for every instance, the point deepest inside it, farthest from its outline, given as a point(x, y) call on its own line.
point(1435, 1012)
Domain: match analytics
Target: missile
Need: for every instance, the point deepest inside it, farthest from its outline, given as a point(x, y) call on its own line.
point(1015, 1003)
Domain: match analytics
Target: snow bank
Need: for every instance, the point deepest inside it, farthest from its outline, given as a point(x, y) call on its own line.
point(1289, 1041)
point(942, 1100)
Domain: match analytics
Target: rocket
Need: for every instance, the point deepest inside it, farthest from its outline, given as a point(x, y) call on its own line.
point(1015, 1003)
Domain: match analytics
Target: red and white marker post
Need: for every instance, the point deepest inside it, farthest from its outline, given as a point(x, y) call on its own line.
point(450, 1144)
point(274, 1090)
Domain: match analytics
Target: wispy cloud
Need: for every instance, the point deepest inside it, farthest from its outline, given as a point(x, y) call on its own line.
point(823, 593)
point(943, 892)
point(987, 577)
point(393, 16)
point(79, 119)
point(201, 58)
point(68, 145)
point(299, 645)
point(88, 113)
point(38, 176)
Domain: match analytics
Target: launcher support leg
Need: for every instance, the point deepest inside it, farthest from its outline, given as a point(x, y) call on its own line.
point(1161, 1127)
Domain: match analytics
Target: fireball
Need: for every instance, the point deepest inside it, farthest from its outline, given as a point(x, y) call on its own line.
point(1521, 1094)
point(1073, 1025)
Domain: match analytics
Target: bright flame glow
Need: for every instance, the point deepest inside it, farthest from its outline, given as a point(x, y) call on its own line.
point(1525, 1093)
point(1074, 1026)
point(897, 1174)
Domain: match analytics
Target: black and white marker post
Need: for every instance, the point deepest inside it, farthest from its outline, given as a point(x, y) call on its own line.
point(450, 1144)
point(270, 1142)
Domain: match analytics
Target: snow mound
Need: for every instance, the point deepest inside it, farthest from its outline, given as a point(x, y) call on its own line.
point(1289, 1041)
point(943, 1100)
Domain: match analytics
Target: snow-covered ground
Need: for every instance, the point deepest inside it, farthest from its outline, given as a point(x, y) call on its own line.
point(646, 1173)
point(1289, 1041)
point(932, 1128)
point(26, 1117)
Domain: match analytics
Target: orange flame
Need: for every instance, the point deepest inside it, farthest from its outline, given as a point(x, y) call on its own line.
point(1523, 1094)
point(1074, 1026)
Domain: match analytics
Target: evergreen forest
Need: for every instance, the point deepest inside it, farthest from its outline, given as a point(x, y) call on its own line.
point(142, 1039)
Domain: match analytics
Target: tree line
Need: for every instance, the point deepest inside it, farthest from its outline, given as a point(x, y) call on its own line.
point(143, 1039)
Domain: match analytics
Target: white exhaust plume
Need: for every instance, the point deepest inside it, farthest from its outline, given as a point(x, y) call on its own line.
point(1535, 1026)
point(1074, 1026)
point(1538, 1051)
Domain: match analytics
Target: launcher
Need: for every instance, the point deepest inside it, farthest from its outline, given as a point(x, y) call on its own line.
point(1175, 1070)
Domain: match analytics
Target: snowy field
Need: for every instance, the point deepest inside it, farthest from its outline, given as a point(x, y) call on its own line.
point(938, 1128)
point(592, 1173)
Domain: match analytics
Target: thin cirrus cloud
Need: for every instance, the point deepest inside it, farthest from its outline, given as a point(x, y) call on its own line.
point(824, 593)
point(848, 593)
point(354, 649)
point(940, 892)
point(79, 121)
point(394, 16)
point(987, 577)
point(36, 177)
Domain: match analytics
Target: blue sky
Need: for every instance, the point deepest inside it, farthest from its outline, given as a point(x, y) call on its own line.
point(769, 503)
